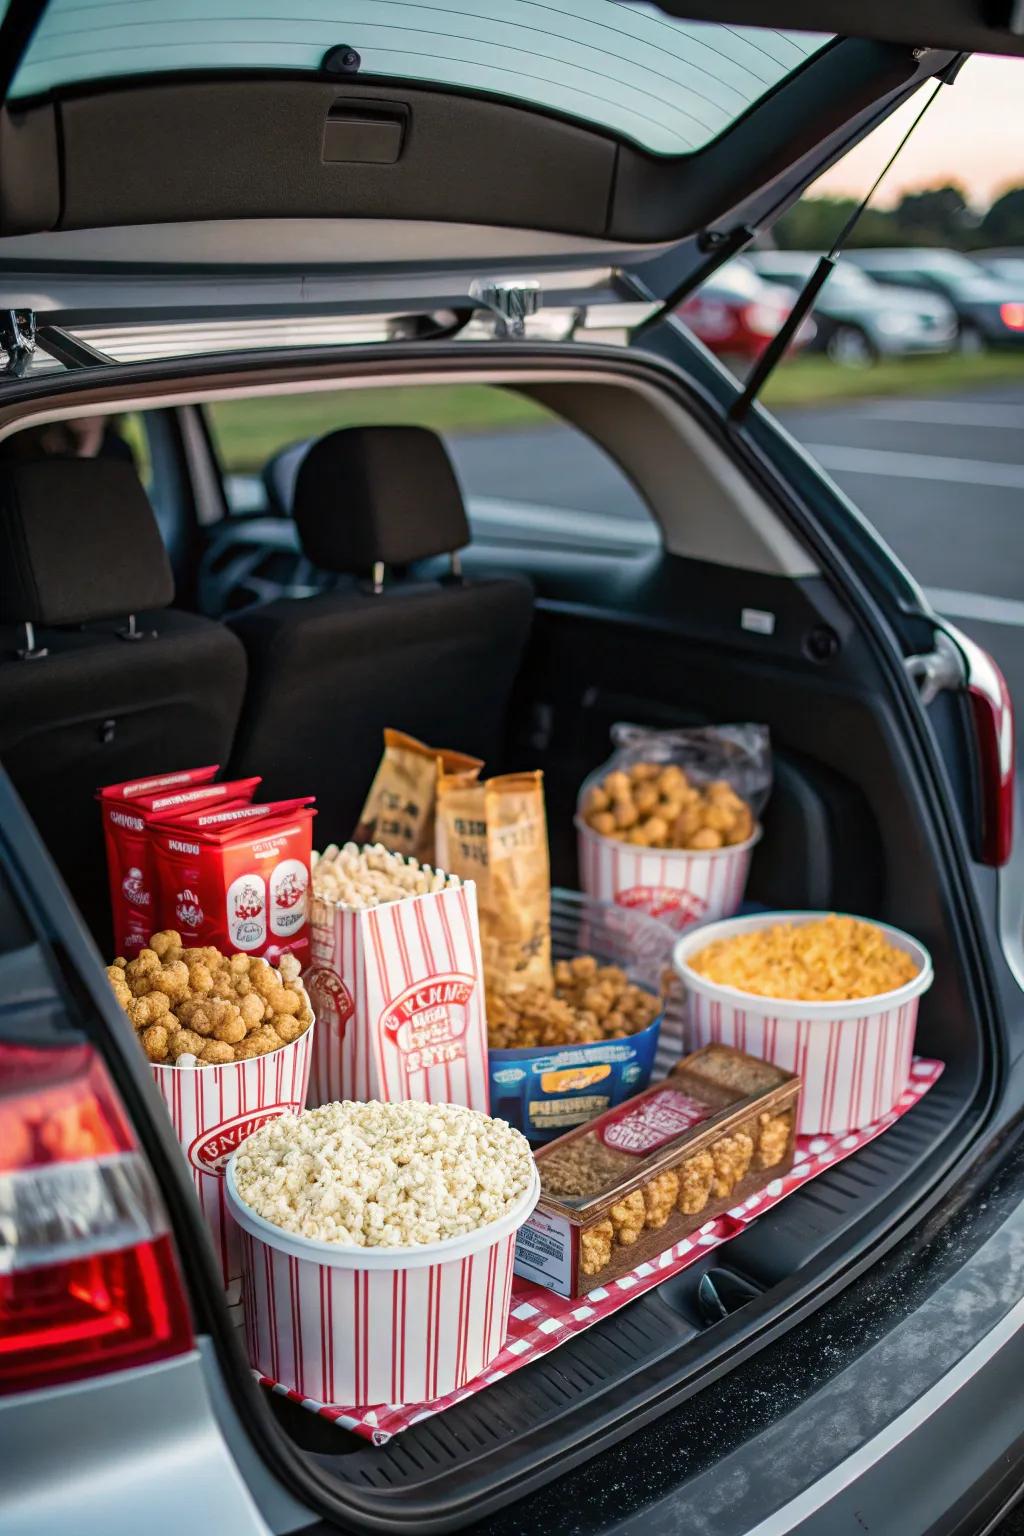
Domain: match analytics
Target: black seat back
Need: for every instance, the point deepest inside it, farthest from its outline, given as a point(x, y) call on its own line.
point(81, 703)
point(435, 658)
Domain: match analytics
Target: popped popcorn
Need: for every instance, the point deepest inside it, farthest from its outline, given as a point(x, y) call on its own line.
point(383, 1175)
point(369, 876)
point(199, 1007)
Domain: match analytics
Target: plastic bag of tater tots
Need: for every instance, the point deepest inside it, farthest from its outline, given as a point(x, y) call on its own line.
point(698, 788)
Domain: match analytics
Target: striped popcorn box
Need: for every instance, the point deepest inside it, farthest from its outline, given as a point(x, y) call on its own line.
point(398, 995)
point(213, 1109)
point(677, 886)
point(853, 1058)
point(376, 1325)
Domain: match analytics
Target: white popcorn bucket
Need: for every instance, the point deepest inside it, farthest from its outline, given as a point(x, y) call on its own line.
point(359, 1326)
point(213, 1109)
point(853, 1058)
point(677, 886)
point(399, 999)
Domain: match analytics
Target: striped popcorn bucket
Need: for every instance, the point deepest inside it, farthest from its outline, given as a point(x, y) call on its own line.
point(213, 1109)
point(677, 886)
point(359, 1326)
point(853, 1058)
point(398, 995)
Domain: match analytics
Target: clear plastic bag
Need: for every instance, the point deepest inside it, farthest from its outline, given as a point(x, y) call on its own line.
point(740, 754)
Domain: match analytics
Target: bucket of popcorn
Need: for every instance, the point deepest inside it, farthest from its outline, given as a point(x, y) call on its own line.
point(832, 998)
point(402, 1294)
point(668, 825)
point(229, 1040)
point(396, 981)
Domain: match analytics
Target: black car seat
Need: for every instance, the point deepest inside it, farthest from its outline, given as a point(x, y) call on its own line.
point(99, 680)
point(327, 673)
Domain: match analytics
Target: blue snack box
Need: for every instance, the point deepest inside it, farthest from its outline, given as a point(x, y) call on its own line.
point(545, 1090)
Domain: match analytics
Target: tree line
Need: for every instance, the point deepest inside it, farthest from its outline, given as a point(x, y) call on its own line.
point(940, 216)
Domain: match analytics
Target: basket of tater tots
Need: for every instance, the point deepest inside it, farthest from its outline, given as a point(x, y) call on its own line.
point(563, 1052)
point(619, 1191)
point(668, 825)
point(228, 1038)
point(827, 995)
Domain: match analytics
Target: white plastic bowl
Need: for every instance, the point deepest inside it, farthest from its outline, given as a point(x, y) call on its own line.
point(853, 1058)
point(360, 1326)
point(678, 886)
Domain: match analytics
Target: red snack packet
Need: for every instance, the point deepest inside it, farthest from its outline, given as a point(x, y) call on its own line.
point(239, 881)
point(129, 810)
point(129, 867)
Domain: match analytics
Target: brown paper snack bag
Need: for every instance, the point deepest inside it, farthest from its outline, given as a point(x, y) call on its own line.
point(399, 810)
point(496, 834)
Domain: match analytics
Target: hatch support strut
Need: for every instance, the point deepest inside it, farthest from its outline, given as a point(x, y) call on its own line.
point(773, 352)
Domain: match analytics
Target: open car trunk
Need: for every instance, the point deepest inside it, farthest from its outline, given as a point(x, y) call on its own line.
point(655, 641)
point(655, 637)
point(137, 194)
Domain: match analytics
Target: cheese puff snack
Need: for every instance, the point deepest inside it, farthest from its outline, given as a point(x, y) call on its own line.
point(202, 1005)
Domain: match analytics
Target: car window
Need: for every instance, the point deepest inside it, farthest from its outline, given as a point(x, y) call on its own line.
point(669, 85)
point(528, 477)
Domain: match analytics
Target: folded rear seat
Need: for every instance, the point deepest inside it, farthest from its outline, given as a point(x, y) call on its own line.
point(435, 658)
point(99, 679)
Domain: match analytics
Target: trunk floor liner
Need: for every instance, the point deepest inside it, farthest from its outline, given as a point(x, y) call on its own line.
point(615, 1371)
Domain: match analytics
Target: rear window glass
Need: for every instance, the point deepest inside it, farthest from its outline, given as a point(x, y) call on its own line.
point(668, 85)
point(529, 478)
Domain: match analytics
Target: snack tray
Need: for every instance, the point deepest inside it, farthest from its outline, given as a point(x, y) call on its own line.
point(540, 1321)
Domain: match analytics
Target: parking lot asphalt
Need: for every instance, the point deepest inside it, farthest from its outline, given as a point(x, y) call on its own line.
point(943, 482)
point(941, 479)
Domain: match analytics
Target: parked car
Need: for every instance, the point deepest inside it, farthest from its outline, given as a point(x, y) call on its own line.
point(859, 320)
point(1007, 265)
point(989, 309)
point(735, 313)
point(320, 216)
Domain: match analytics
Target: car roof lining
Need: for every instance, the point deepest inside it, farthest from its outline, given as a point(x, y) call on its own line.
point(706, 510)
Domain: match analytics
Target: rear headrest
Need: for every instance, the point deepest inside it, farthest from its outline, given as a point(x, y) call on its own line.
point(378, 493)
point(78, 541)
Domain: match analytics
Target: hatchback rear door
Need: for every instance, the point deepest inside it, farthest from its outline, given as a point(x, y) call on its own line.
point(143, 135)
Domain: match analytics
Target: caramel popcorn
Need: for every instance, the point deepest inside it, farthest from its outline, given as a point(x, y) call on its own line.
point(628, 1217)
point(655, 805)
point(590, 1002)
point(833, 959)
point(198, 1003)
point(773, 1133)
point(596, 1247)
point(731, 1156)
point(695, 1176)
point(659, 1198)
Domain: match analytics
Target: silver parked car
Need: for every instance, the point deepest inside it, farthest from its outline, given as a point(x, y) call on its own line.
point(859, 320)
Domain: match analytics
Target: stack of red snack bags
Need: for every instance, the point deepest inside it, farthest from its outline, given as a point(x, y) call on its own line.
point(198, 856)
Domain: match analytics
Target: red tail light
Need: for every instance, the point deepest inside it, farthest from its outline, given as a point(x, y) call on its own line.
point(1012, 316)
point(89, 1282)
point(992, 712)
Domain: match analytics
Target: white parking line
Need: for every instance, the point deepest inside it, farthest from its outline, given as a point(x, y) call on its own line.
point(977, 605)
point(889, 463)
point(947, 413)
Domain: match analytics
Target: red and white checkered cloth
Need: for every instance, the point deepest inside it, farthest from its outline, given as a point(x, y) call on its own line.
point(540, 1321)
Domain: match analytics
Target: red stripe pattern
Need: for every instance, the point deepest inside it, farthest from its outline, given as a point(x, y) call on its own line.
point(538, 1321)
point(853, 1070)
point(674, 886)
point(366, 962)
point(213, 1109)
point(370, 1336)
